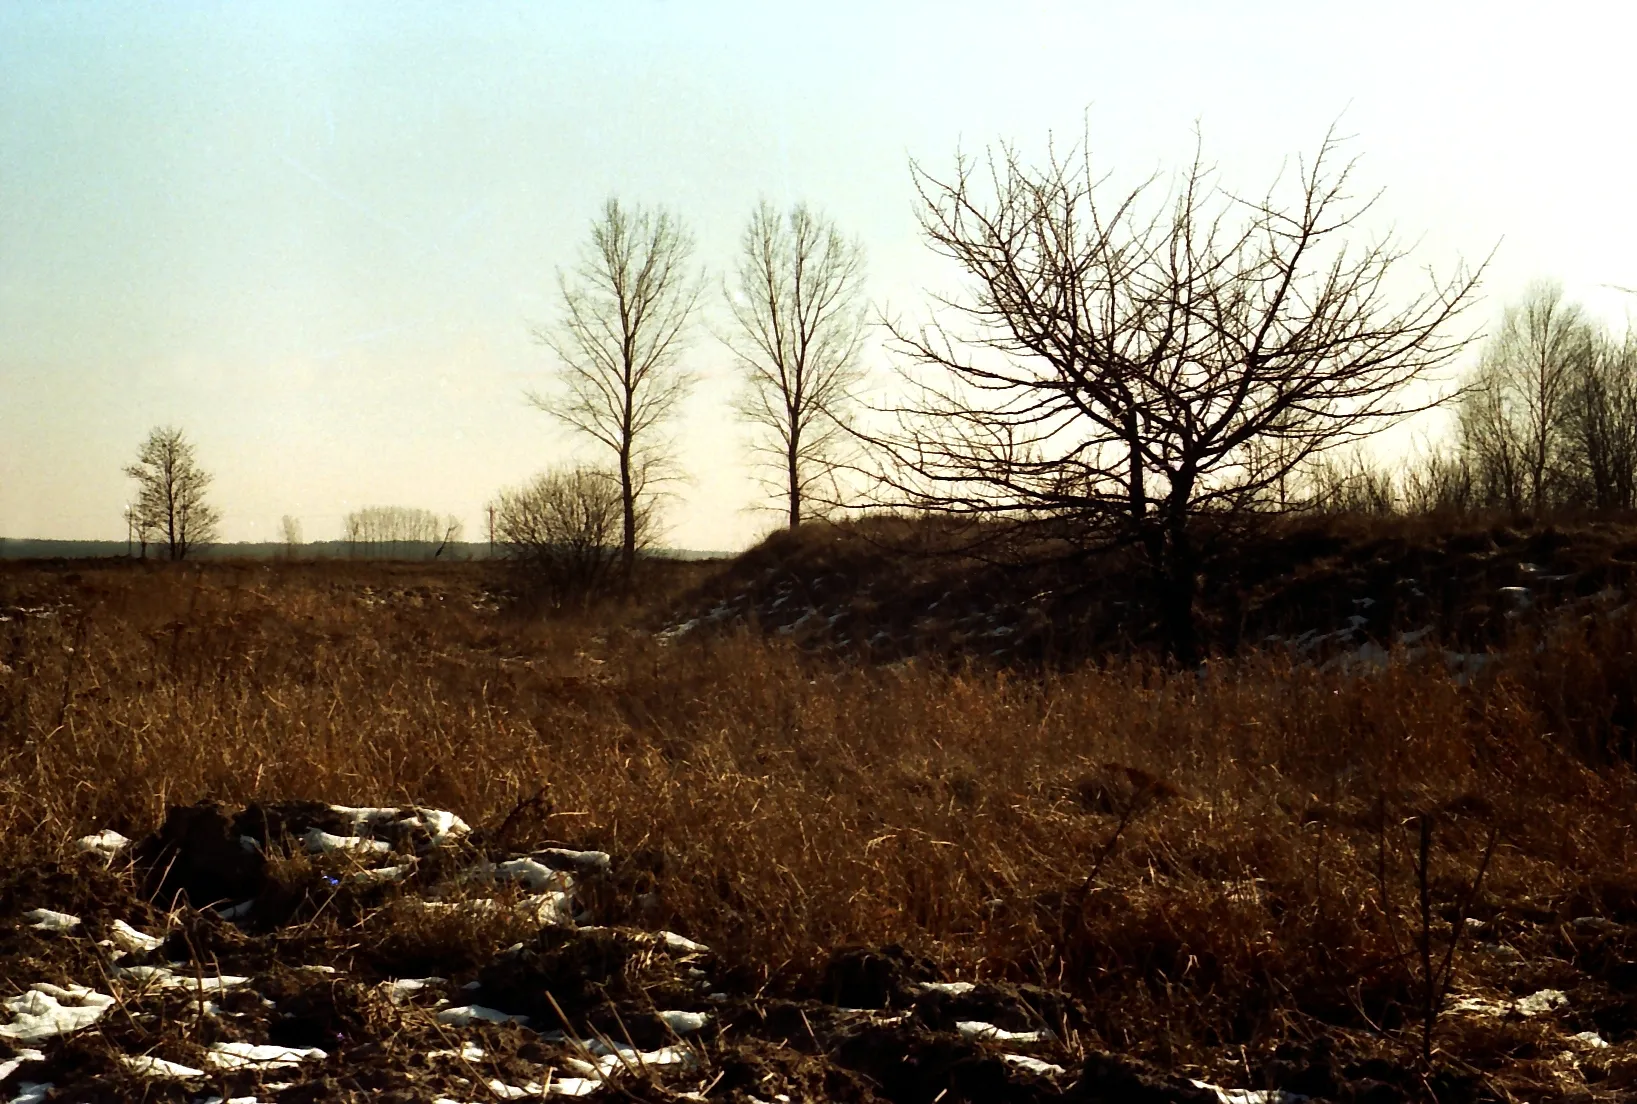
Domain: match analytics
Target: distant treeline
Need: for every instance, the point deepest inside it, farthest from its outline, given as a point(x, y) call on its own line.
point(29, 549)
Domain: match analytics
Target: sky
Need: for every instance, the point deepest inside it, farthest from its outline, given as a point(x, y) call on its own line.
point(318, 237)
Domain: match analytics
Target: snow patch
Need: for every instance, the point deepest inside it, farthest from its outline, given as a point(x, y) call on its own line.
point(45, 1010)
point(1036, 1066)
point(465, 1015)
point(147, 1065)
point(11, 1065)
point(159, 977)
point(42, 919)
point(237, 1056)
point(685, 1023)
point(321, 842)
point(988, 1032)
point(399, 991)
point(106, 843)
point(1251, 1096)
point(129, 939)
point(1535, 1004)
point(437, 823)
point(681, 944)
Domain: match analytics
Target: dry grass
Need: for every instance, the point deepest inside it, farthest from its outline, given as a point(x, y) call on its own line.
point(1209, 859)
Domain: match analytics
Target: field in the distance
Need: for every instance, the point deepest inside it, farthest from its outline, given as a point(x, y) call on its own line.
point(1211, 875)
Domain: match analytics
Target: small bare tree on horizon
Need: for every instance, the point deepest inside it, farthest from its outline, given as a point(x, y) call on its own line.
point(290, 535)
point(171, 490)
point(1125, 365)
point(619, 337)
point(797, 303)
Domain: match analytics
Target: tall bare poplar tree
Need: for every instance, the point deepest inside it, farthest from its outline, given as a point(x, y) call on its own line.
point(1126, 362)
point(797, 303)
point(619, 337)
point(171, 489)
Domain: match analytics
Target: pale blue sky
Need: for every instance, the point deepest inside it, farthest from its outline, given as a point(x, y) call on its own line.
point(316, 235)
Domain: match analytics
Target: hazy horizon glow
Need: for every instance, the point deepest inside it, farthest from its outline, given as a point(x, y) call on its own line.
point(317, 236)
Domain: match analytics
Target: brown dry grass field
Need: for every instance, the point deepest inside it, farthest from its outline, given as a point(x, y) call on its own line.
point(1222, 867)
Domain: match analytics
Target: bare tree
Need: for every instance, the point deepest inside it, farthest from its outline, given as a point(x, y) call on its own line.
point(563, 530)
point(1515, 418)
point(1489, 448)
point(619, 338)
point(1124, 365)
point(797, 302)
point(1351, 483)
point(290, 535)
point(171, 490)
point(1439, 481)
point(1603, 425)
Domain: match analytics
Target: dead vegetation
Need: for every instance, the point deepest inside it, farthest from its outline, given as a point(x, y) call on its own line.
point(1215, 873)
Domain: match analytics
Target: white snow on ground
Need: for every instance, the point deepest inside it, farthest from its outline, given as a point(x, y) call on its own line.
point(1547, 1000)
point(681, 944)
point(1535, 1004)
point(236, 912)
point(543, 908)
point(1589, 1039)
point(611, 1058)
point(949, 988)
point(158, 977)
point(48, 1010)
point(575, 1086)
point(685, 1023)
point(560, 1086)
point(988, 1032)
point(398, 991)
point(30, 1093)
point(587, 862)
point(381, 874)
point(1251, 1096)
point(232, 1056)
point(319, 842)
point(11, 1065)
point(464, 1015)
point(535, 875)
point(46, 920)
point(147, 1065)
point(591, 1075)
point(437, 823)
point(129, 939)
point(44, 1010)
point(107, 842)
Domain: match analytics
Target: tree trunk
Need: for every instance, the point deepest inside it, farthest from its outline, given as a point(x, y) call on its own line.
point(795, 484)
point(1178, 577)
point(1138, 498)
point(1180, 583)
point(628, 503)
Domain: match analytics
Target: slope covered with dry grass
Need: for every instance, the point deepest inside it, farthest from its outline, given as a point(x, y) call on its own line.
point(1221, 866)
